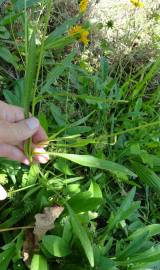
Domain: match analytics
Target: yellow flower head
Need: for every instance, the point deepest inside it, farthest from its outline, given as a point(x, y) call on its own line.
point(82, 33)
point(137, 3)
point(84, 37)
point(83, 5)
point(75, 30)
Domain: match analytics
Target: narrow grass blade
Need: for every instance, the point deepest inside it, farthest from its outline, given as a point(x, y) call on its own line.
point(82, 235)
point(93, 162)
point(30, 75)
point(58, 70)
point(152, 230)
point(7, 56)
point(146, 175)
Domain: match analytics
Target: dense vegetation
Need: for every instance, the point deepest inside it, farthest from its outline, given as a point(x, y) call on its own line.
point(95, 204)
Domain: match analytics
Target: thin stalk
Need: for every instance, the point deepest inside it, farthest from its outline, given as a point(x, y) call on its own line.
point(26, 29)
point(16, 228)
point(22, 189)
point(96, 141)
point(41, 54)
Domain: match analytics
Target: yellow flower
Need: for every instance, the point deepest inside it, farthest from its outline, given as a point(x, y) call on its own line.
point(137, 3)
point(75, 30)
point(83, 5)
point(84, 37)
point(79, 31)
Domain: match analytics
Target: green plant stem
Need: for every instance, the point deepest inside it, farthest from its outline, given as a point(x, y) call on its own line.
point(96, 141)
point(16, 228)
point(41, 55)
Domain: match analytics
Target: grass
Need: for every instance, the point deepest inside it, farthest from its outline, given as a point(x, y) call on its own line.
point(103, 127)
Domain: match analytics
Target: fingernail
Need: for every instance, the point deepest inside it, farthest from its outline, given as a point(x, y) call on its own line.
point(26, 162)
point(32, 123)
point(42, 159)
point(3, 193)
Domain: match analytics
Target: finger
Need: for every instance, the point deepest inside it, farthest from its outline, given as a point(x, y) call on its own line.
point(41, 155)
point(14, 133)
point(3, 193)
point(40, 136)
point(13, 153)
point(11, 113)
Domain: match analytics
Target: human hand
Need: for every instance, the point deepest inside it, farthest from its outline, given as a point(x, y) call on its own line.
point(14, 131)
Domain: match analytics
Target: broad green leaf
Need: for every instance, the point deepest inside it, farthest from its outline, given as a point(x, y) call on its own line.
point(62, 166)
point(84, 201)
point(58, 70)
point(152, 230)
point(7, 56)
point(39, 263)
point(56, 245)
point(82, 235)
point(6, 256)
point(147, 175)
point(95, 190)
point(93, 162)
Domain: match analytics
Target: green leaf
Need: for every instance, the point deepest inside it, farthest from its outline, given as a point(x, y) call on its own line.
point(20, 5)
point(39, 263)
point(62, 166)
point(58, 115)
point(6, 256)
point(56, 245)
point(95, 190)
point(93, 162)
point(82, 235)
point(126, 209)
point(9, 18)
point(151, 255)
point(43, 121)
point(16, 216)
point(83, 202)
point(152, 230)
point(58, 70)
point(104, 68)
point(147, 175)
point(6, 55)
point(134, 247)
point(60, 30)
point(4, 34)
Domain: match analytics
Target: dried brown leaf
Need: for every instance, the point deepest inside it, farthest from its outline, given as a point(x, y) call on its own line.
point(28, 246)
point(45, 221)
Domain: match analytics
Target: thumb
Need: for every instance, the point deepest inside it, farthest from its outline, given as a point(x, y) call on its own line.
point(14, 133)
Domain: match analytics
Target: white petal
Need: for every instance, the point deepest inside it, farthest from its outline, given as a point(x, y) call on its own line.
point(3, 193)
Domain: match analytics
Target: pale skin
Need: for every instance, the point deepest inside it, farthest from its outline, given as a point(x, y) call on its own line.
point(14, 131)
